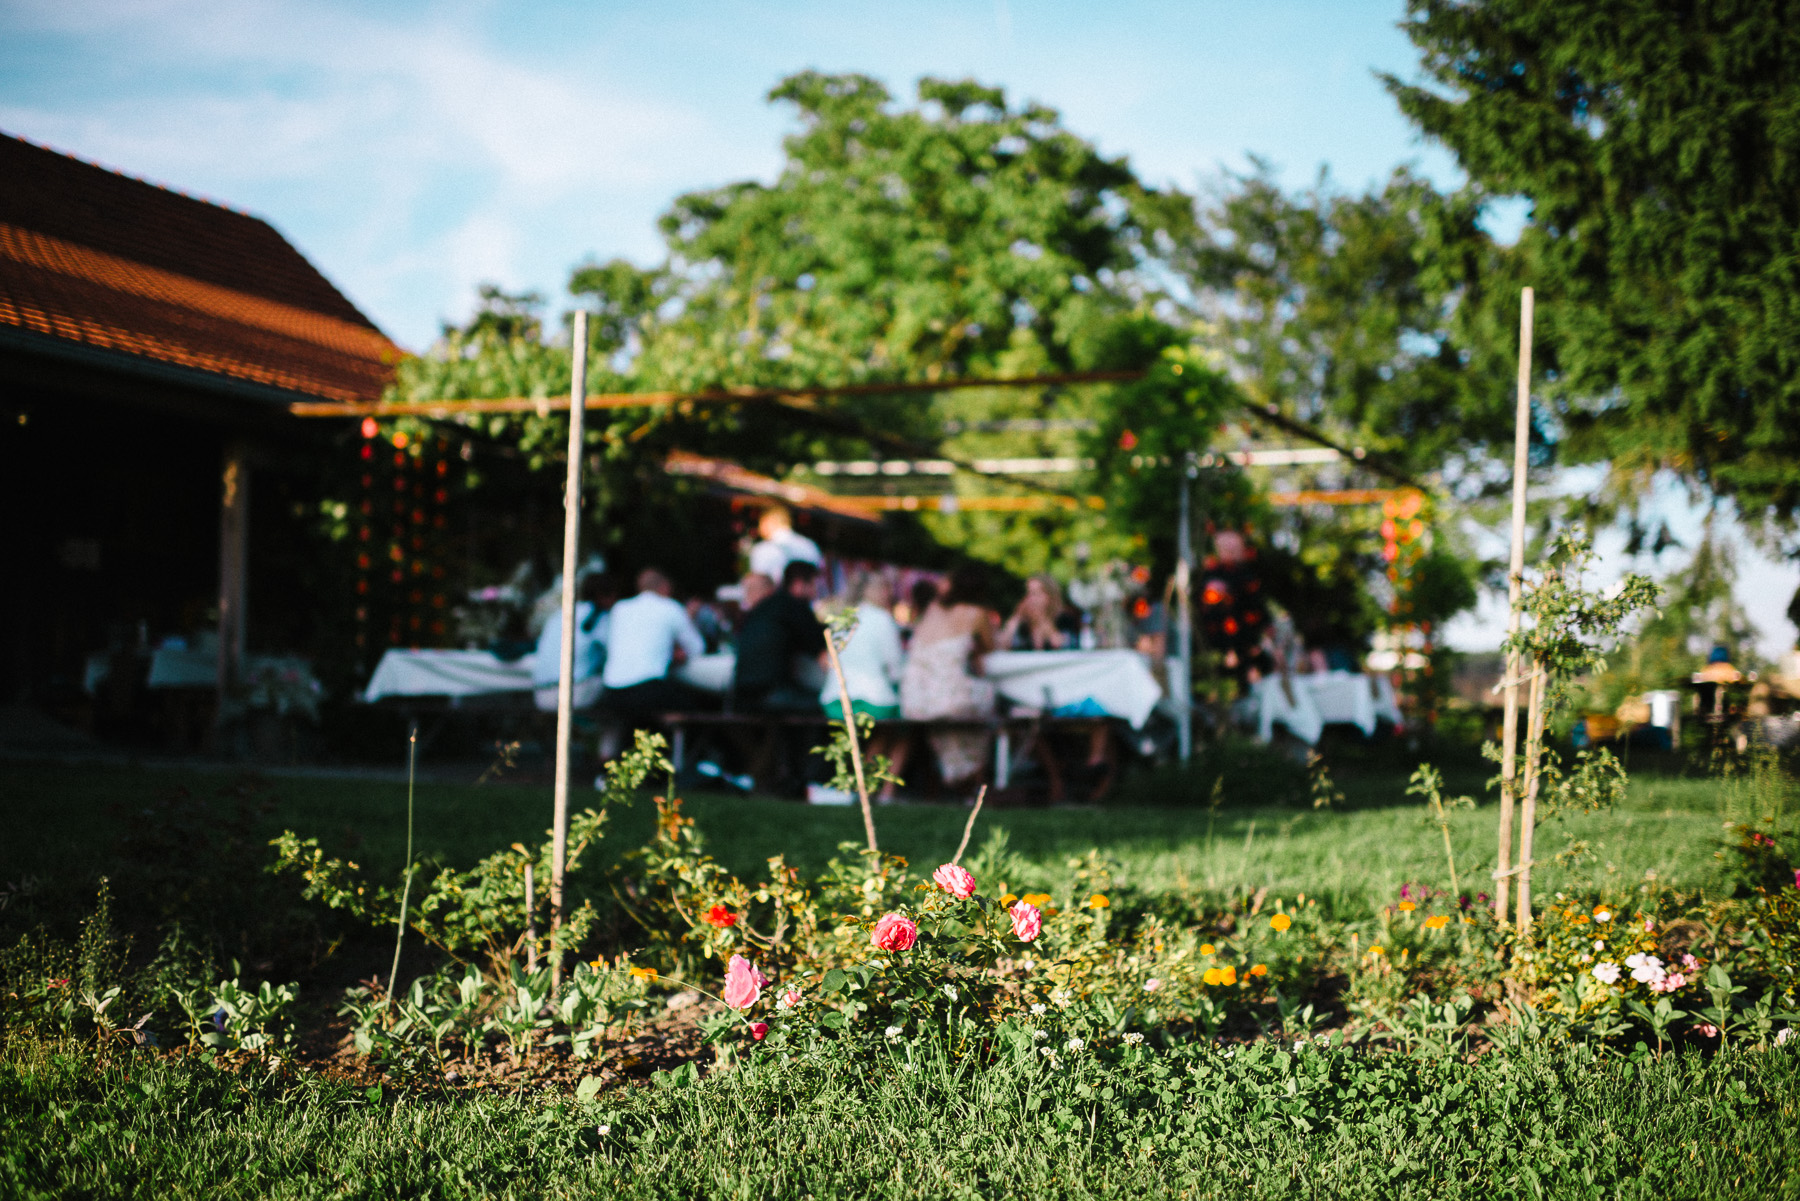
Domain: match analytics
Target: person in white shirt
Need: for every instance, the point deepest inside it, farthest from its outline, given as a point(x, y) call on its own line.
point(872, 662)
point(780, 545)
point(649, 635)
point(593, 615)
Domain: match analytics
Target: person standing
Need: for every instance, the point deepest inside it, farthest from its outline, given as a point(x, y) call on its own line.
point(781, 545)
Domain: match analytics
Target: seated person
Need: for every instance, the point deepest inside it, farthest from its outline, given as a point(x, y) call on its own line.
point(592, 619)
point(648, 636)
point(942, 678)
point(872, 661)
point(778, 631)
point(1040, 622)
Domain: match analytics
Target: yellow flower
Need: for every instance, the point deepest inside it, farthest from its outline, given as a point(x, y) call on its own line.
point(1008, 899)
point(644, 973)
point(1436, 922)
point(1280, 922)
point(1206, 948)
point(1098, 901)
point(1213, 976)
point(1407, 906)
point(1259, 969)
point(1376, 949)
point(1040, 899)
point(1228, 975)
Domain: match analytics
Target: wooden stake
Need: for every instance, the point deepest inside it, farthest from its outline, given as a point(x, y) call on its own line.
point(969, 826)
point(530, 919)
point(862, 787)
point(1534, 740)
point(565, 681)
point(1509, 737)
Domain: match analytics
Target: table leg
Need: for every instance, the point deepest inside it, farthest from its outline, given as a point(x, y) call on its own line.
point(1002, 759)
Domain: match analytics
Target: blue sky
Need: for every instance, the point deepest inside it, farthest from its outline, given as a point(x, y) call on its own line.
point(414, 150)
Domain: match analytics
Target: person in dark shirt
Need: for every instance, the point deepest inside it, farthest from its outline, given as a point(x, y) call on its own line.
point(779, 631)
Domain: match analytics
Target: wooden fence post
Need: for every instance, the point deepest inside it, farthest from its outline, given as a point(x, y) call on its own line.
point(565, 681)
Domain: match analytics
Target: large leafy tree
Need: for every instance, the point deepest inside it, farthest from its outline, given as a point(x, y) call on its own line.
point(1658, 142)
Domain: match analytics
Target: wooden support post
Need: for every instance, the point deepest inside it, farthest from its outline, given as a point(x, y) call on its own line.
point(565, 681)
point(1509, 738)
point(1534, 741)
point(1183, 688)
point(234, 560)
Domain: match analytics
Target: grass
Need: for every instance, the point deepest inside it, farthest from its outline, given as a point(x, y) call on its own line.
point(1190, 1123)
point(61, 821)
point(1183, 1121)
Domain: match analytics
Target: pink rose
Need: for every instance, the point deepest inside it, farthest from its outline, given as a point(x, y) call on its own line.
point(895, 933)
point(1027, 921)
point(759, 1030)
point(955, 881)
point(789, 999)
point(1797, 877)
point(743, 983)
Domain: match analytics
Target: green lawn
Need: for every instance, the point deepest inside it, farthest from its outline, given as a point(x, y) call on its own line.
point(60, 822)
point(1191, 1122)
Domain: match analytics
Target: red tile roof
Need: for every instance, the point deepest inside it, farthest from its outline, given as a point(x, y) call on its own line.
point(100, 258)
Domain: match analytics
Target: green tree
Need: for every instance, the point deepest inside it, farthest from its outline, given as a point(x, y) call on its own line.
point(1658, 143)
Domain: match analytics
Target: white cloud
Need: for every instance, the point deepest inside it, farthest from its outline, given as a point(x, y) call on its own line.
point(449, 155)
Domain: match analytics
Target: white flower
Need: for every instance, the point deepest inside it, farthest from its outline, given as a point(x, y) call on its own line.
point(950, 991)
point(1061, 998)
point(1787, 1032)
point(1645, 969)
point(1606, 973)
point(1074, 1044)
point(895, 1031)
point(1038, 1007)
point(1152, 984)
point(1599, 944)
point(1027, 965)
point(603, 1130)
point(1324, 1040)
point(1133, 1038)
point(1603, 915)
point(1040, 1035)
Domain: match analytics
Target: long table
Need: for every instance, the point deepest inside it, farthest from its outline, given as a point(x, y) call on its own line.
point(1119, 682)
point(1306, 704)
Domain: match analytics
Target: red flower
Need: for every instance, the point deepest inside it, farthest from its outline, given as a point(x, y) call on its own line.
point(759, 1030)
point(721, 917)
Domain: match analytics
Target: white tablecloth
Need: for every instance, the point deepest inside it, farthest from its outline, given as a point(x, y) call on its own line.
point(1119, 681)
point(1306, 704)
point(479, 673)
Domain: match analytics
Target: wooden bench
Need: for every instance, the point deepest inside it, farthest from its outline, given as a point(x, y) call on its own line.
point(1025, 733)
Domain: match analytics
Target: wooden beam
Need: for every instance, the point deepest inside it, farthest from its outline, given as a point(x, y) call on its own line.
point(637, 400)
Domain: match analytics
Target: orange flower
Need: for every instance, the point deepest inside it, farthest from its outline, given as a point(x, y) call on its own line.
point(1280, 922)
point(1228, 975)
point(1206, 948)
point(1436, 921)
point(1376, 949)
point(644, 973)
point(1259, 969)
point(1407, 906)
point(1008, 899)
point(1040, 899)
point(1213, 976)
point(1098, 901)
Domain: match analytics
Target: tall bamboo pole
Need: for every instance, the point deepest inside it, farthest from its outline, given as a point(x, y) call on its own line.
point(565, 680)
point(1534, 742)
point(1509, 737)
point(1183, 687)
